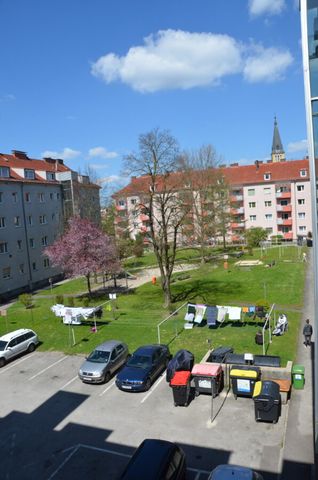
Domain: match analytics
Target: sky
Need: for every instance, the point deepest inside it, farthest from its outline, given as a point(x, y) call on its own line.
point(83, 79)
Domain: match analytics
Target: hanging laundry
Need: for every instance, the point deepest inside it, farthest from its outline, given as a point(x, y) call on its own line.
point(251, 309)
point(222, 311)
point(234, 313)
point(245, 309)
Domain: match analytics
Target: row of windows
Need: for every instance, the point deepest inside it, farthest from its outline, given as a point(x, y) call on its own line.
point(32, 244)
point(17, 220)
point(7, 271)
point(27, 196)
point(29, 173)
point(300, 201)
point(268, 190)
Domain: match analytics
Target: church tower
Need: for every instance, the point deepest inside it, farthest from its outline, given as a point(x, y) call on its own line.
point(278, 154)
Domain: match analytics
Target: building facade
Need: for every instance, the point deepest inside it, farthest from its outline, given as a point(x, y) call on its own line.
point(309, 30)
point(37, 197)
point(272, 195)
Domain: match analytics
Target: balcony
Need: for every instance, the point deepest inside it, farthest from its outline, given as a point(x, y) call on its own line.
point(284, 208)
point(288, 236)
point(144, 218)
point(285, 221)
point(236, 198)
point(236, 225)
point(121, 207)
point(237, 211)
point(283, 194)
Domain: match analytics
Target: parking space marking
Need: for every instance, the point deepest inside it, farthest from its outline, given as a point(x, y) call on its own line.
point(5, 369)
point(68, 383)
point(106, 389)
point(198, 472)
point(65, 462)
point(47, 368)
point(152, 389)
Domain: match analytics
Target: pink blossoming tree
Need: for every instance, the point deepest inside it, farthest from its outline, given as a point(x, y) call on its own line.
point(83, 250)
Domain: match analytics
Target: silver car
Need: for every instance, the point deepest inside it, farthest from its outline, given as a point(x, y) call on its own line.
point(103, 362)
point(15, 343)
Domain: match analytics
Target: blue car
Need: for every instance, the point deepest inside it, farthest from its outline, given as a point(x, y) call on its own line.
point(143, 367)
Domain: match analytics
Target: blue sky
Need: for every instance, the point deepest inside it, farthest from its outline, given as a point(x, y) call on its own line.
point(81, 80)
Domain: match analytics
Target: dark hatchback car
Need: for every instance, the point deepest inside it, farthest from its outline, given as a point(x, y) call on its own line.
point(143, 367)
point(156, 460)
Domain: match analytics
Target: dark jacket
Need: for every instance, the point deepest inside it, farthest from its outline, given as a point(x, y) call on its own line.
point(307, 330)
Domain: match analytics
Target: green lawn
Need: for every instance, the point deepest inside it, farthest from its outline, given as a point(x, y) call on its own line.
point(138, 313)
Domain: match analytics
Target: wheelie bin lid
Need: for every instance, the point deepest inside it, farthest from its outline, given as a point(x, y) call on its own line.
point(211, 370)
point(266, 390)
point(239, 372)
point(298, 369)
point(180, 378)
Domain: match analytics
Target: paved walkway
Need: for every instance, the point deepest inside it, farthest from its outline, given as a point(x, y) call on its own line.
point(298, 457)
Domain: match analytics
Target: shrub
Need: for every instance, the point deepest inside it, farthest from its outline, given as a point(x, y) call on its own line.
point(59, 299)
point(26, 299)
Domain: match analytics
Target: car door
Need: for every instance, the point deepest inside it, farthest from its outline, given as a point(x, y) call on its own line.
point(12, 348)
point(113, 363)
point(121, 357)
point(156, 363)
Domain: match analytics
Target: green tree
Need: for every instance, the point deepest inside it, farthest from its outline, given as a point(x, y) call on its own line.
point(254, 236)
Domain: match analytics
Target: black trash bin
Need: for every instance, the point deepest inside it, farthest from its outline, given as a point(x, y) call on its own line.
point(266, 361)
point(267, 401)
point(183, 360)
point(218, 354)
point(180, 384)
point(243, 380)
point(235, 358)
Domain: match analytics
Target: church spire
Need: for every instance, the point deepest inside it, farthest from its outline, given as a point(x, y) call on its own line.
point(278, 154)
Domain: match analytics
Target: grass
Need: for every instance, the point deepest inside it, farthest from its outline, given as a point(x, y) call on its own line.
point(138, 313)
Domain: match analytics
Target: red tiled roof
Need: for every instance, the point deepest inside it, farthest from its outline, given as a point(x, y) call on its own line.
point(236, 176)
point(7, 160)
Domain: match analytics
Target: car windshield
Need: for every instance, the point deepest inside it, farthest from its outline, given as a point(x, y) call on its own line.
point(99, 356)
point(142, 361)
point(2, 345)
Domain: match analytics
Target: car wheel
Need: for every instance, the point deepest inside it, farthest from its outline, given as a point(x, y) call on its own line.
point(31, 347)
point(107, 377)
point(2, 362)
point(148, 384)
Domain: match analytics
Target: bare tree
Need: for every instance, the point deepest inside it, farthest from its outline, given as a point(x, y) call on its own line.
point(204, 197)
point(160, 200)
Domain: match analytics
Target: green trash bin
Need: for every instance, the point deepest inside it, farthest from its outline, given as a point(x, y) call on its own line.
point(298, 375)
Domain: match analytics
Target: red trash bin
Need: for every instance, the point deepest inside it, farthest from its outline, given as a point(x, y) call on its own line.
point(208, 378)
point(180, 384)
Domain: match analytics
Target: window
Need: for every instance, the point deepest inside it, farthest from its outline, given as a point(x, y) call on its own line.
point(253, 218)
point(57, 196)
point(17, 221)
point(6, 272)
point(42, 219)
point(1, 197)
point(33, 266)
point(284, 203)
point(5, 172)
point(51, 196)
point(251, 192)
point(133, 201)
point(121, 203)
point(267, 176)
point(41, 197)
point(29, 173)
point(303, 173)
point(269, 230)
point(50, 175)
point(27, 197)
point(19, 244)
point(31, 242)
point(14, 197)
point(3, 247)
point(268, 216)
point(267, 191)
point(268, 203)
point(302, 228)
point(46, 263)
point(252, 204)
point(285, 216)
point(301, 201)
point(301, 215)
point(21, 268)
point(300, 188)
point(2, 222)
point(44, 241)
point(30, 220)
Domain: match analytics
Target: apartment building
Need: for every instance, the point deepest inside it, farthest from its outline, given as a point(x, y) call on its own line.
point(274, 195)
point(37, 197)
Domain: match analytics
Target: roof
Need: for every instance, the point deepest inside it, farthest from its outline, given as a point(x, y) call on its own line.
point(277, 146)
point(235, 175)
point(108, 345)
point(8, 336)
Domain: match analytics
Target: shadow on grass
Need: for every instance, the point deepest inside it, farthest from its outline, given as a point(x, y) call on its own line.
point(206, 290)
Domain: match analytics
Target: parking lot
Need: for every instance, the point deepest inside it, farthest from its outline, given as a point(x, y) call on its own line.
point(55, 427)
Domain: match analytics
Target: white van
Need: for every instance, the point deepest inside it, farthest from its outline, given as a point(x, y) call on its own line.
point(17, 342)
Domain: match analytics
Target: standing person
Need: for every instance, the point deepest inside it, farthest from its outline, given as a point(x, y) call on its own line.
point(304, 257)
point(307, 332)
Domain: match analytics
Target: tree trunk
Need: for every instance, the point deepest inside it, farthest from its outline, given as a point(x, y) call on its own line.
point(88, 278)
point(167, 291)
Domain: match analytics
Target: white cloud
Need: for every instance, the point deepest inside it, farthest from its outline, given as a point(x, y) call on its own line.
point(300, 146)
point(66, 154)
point(101, 152)
point(266, 7)
point(266, 64)
point(114, 179)
point(174, 59)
